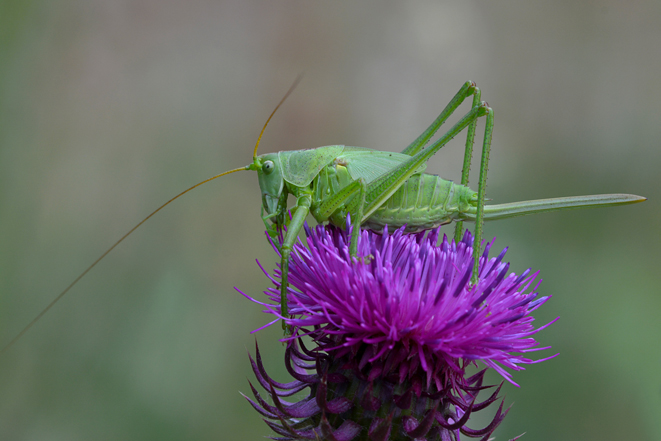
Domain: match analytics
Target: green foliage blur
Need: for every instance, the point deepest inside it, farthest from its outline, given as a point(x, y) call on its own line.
point(109, 108)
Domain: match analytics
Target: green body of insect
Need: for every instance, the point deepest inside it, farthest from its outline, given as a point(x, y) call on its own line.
point(382, 188)
point(422, 202)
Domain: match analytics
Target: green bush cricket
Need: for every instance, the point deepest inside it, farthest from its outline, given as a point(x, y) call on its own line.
point(378, 188)
point(383, 188)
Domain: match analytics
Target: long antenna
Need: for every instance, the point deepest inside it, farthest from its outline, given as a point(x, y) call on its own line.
point(291, 89)
point(45, 310)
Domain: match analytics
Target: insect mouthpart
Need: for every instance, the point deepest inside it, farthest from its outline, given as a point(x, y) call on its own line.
point(270, 204)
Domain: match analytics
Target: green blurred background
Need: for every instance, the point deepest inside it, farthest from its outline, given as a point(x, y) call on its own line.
point(108, 108)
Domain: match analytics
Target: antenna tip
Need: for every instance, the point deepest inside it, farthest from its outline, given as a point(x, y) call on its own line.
point(291, 89)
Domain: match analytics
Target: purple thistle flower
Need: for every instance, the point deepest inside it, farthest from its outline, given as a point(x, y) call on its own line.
point(395, 331)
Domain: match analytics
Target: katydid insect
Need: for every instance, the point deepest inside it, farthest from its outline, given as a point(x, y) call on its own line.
point(383, 188)
point(377, 188)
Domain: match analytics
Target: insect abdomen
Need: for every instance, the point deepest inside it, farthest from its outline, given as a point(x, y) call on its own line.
point(424, 201)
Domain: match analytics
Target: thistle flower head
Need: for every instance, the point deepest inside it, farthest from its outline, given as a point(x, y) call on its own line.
point(395, 331)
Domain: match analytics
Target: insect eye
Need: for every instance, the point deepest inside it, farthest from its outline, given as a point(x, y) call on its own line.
point(268, 167)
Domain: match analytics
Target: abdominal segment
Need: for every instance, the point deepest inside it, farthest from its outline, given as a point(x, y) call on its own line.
point(424, 201)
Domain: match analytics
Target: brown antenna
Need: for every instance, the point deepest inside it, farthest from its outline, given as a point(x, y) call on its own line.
point(59, 296)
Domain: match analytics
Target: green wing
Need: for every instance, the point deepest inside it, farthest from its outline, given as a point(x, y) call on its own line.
point(299, 167)
point(370, 164)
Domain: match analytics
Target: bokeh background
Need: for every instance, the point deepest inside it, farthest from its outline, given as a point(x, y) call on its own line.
point(110, 107)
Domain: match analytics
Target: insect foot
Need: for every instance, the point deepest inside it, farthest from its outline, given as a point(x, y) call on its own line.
point(365, 259)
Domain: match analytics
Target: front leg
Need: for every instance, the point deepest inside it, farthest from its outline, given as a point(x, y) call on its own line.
point(302, 209)
point(273, 222)
point(272, 229)
point(356, 208)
